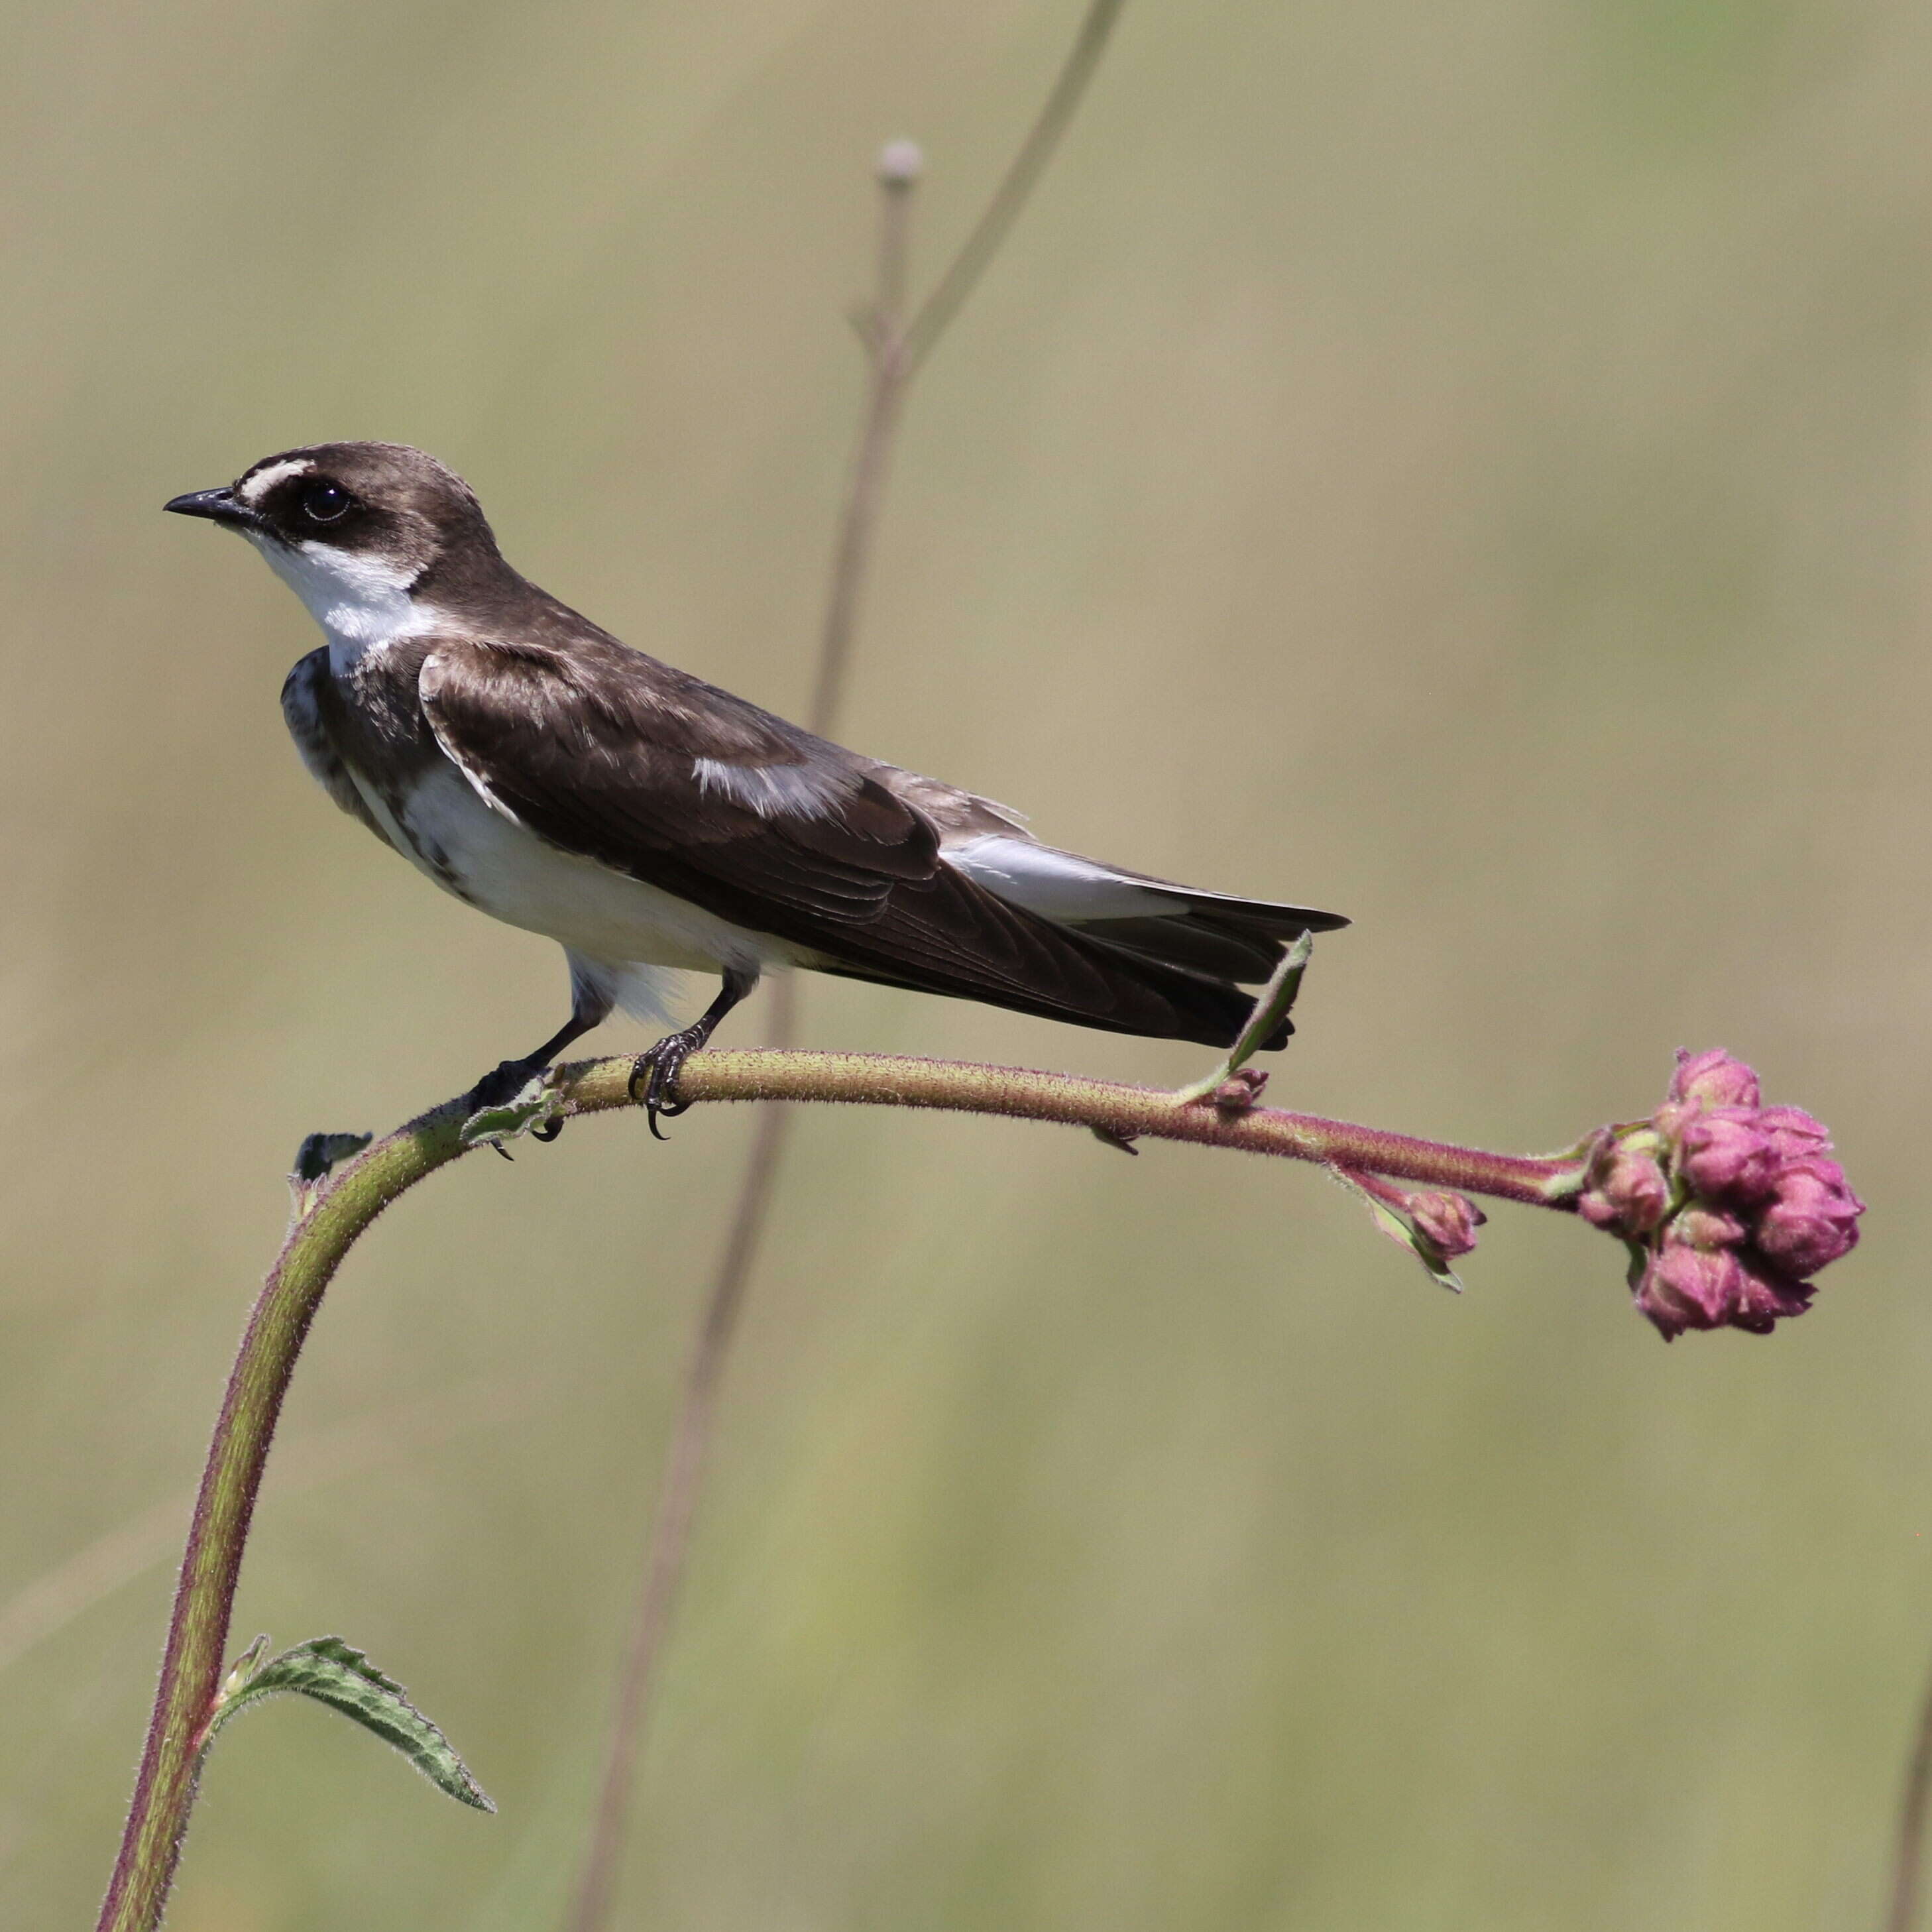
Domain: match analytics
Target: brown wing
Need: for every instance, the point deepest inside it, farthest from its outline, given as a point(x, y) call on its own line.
point(606, 754)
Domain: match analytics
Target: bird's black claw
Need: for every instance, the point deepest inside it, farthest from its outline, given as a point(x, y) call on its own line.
point(658, 1067)
point(547, 1130)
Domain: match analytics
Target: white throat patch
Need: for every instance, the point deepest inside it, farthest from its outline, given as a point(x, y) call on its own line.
point(362, 603)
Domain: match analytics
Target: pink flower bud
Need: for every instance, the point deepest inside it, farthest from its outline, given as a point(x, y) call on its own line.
point(1699, 1226)
point(1760, 1204)
point(1689, 1287)
point(1793, 1132)
point(1814, 1218)
point(1630, 1192)
point(1767, 1296)
point(1714, 1079)
point(1448, 1222)
point(1725, 1155)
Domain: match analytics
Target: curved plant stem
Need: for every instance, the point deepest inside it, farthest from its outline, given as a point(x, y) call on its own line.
point(191, 1667)
point(342, 1206)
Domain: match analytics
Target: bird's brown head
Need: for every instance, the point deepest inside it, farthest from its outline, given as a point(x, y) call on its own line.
point(348, 524)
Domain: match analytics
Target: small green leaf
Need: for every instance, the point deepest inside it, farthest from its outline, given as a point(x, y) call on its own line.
point(535, 1106)
point(337, 1674)
point(1276, 1002)
point(1435, 1264)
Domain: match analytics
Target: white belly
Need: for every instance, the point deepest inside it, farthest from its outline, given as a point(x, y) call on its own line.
point(501, 868)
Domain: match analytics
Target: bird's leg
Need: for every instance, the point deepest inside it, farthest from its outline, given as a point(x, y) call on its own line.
point(658, 1068)
point(508, 1079)
point(590, 1004)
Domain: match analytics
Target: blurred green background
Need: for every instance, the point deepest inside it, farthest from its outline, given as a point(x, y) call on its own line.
point(1470, 466)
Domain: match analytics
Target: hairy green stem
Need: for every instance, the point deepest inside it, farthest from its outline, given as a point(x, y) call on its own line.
point(191, 1667)
point(345, 1203)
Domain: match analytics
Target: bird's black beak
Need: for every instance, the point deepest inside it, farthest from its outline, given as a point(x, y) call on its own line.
point(218, 506)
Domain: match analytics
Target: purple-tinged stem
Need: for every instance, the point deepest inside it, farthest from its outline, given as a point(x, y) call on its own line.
point(344, 1205)
point(1129, 1112)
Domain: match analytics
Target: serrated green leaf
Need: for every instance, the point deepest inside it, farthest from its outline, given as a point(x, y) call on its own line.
point(338, 1675)
point(535, 1106)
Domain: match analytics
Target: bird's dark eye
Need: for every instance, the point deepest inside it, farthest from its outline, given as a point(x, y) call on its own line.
point(325, 502)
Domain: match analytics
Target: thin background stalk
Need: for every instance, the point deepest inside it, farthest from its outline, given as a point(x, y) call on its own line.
point(345, 1204)
point(1909, 1852)
point(669, 1535)
point(894, 348)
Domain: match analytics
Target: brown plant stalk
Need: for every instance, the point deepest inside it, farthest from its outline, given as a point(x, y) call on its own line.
point(1908, 1843)
point(894, 349)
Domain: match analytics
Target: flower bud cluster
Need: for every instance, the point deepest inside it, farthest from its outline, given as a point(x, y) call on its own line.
point(1729, 1207)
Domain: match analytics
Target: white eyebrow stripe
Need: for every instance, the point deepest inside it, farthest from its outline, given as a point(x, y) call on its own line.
point(259, 485)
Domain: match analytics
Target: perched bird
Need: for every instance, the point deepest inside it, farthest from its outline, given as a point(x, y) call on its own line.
point(555, 778)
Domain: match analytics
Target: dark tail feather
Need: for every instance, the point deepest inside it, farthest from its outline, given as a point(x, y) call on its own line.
point(1142, 997)
point(1013, 930)
point(1208, 1006)
point(1095, 980)
point(1240, 940)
